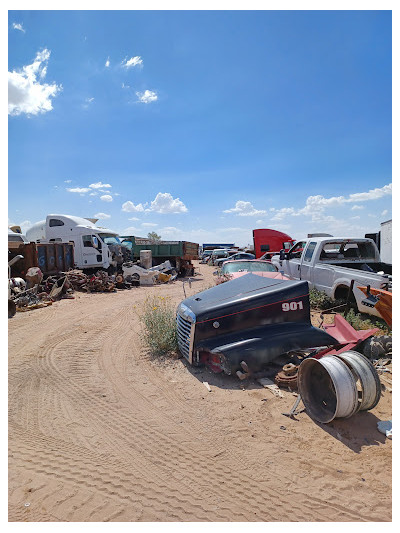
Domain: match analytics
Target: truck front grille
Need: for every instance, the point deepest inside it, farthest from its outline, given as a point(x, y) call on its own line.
point(185, 323)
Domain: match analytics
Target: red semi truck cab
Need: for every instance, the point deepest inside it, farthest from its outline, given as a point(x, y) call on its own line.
point(270, 242)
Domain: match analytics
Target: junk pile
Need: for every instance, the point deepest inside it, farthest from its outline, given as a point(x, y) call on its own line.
point(34, 291)
point(99, 282)
point(31, 293)
point(162, 273)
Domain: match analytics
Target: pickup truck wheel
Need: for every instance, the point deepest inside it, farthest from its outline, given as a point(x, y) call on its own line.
point(341, 294)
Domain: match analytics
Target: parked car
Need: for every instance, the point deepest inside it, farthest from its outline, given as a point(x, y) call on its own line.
point(218, 254)
point(205, 256)
point(235, 269)
point(329, 264)
point(235, 257)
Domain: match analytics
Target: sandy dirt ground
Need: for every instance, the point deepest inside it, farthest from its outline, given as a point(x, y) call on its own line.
point(100, 431)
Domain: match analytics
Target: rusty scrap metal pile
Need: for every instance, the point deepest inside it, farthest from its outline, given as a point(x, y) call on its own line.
point(37, 292)
point(99, 282)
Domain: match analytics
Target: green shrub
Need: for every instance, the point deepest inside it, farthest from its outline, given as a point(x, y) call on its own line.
point(158, 317)
point(359, 321)
point(320, 300)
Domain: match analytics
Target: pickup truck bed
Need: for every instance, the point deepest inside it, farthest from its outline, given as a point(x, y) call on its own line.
point(366, 266)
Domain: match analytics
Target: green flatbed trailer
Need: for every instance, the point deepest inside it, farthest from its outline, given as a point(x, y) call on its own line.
point(179, 253)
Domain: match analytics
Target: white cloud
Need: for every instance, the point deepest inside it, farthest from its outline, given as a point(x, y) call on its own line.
point(107, 63)
point(129, 231)
point(102, 216)
point(87, 103)
point(133, 218)
point(18, 26)
point(357, 207)
point(80, 190)
point(170, 231)
point(245, 209)
point(130, 207)
point(316, 205)
point(384, 212)
point(149, 225)
point(25, 93)
point(372, 194)
point(99, 185)
point(93, 194)
point(231, 230)
point(147, 96)
point(355, 218)
point(136, 61)
point(106, 198)
point(280, 214)
point(67, 181)
point(165, 203)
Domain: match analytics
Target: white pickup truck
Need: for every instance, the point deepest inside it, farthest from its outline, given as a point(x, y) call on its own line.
point(329, 264)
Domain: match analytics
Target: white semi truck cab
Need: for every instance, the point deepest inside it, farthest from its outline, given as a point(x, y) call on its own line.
point(94, 247)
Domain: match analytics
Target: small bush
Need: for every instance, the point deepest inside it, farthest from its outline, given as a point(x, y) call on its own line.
point(359, 321)
point(320, 300)
point(159, 325)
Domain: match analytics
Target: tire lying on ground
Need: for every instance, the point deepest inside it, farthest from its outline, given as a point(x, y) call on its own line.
point(377, 347)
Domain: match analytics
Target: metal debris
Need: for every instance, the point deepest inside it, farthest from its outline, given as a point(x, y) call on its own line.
point(99, 282)
point(287, 377)
point(270, 385)
point(385, 427)
point(207, 386)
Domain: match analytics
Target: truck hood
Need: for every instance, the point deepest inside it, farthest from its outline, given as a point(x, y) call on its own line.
point(242, 293)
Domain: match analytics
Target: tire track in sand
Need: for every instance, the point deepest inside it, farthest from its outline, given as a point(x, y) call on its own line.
point(232, 481)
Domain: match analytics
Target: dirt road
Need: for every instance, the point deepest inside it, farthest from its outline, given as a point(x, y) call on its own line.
point(100, 431)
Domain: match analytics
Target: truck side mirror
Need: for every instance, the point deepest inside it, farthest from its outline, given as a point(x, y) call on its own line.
point(95, 242)
point(282, 255)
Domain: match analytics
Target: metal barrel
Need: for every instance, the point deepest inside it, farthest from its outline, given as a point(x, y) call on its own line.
point(366, 375)
point(328, 388)
point(146, 258)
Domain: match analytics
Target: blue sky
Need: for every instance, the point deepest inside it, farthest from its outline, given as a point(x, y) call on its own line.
point(202, 125)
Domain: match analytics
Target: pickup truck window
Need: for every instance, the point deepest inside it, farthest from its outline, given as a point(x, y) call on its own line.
point(309, 252)
point(360, 251)
point(297, 250)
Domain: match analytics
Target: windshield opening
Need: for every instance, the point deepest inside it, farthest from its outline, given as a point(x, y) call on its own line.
point(247, 266)
point(109, 239)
